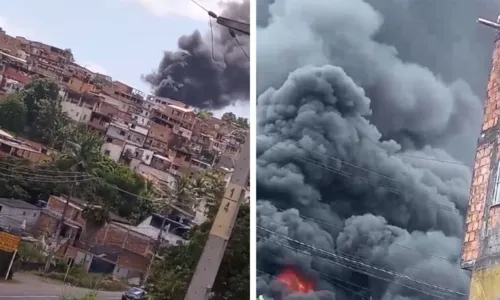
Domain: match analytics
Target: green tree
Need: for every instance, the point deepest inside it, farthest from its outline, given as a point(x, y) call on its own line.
point(49, 122)
point(95, 216)
point(33, 92)
point(229, 117)
point(204, 114)
point(182, 194)
point(242, 122)
point(171, 277)
point(12, 113)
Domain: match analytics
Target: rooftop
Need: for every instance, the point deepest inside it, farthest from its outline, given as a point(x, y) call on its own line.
point(82, 203)
point(17, 145)
point(13, 57)
point(183, 109)
point(15, 203)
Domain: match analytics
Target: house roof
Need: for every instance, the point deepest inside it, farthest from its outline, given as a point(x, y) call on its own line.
point(82, 203)
point(183, 109)
point(18, 204)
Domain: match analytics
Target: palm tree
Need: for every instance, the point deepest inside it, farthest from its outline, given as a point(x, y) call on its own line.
point(96, 217)
point(82, 150)
point(209, 184)
point(80, 154)
point(210, 187)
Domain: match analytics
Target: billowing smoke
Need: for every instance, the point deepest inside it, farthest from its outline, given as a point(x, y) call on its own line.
point(360, 181)
point(209, 70)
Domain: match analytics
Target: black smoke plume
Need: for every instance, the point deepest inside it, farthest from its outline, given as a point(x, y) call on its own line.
point(357, 145)
point(209, 70)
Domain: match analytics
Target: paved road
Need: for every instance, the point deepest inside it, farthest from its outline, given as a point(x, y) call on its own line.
point(31, 287)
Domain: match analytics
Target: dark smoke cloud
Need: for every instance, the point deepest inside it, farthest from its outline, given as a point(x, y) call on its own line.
point(207, 77)
point(395, 38)
point(344, 120)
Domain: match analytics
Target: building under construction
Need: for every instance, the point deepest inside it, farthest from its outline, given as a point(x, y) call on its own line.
point(481, 248)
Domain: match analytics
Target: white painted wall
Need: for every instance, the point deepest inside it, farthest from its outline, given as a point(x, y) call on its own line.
point(13, 217)
point(163, 176)
point(146, 229)
point(140, 119)
point(120, 104)
point(144, 130)
point(200, 212)
point(182, 132)
point(115, 131)
point(115, 151)
point(75, 112)
point(12, 86)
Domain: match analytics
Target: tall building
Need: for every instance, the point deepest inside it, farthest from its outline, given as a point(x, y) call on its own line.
point(481, 246)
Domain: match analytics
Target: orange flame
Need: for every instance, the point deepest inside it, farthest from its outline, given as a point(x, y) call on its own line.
point(296, 283)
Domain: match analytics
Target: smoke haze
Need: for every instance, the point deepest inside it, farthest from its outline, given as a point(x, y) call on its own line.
point(206, 77)
point(352, 93)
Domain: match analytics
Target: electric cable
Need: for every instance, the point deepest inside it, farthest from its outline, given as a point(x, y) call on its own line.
point(365, 265)
point(341, 228)
point(437, 291)
point(351, 176)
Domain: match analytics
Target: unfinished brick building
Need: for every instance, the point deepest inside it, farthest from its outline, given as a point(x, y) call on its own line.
point(481, 248)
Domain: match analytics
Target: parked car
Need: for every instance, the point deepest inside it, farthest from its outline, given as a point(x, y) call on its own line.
point(136, 293)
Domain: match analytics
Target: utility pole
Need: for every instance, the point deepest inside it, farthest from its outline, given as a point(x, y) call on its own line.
point(156, 248)
point(213, 252)
point(60, 224)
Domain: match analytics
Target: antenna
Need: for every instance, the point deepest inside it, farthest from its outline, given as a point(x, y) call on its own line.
point(489, 23)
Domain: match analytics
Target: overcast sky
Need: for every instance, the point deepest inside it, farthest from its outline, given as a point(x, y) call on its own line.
point(121, 38)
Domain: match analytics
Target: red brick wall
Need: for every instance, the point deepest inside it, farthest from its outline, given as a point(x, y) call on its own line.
point(133, 261)
point(116, 235)
point(57, 204)
point(45, 225)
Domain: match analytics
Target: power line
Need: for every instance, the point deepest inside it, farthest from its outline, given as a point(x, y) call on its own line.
point(200, 6)
point(365, 259)
point(332, 282)
point(361, 264)
point(341, 172)
point(341, 227)
point(44, 180)
point(412, 156)
point(354, 269)
point(17, 171)
point(41, 167)
point(233, 34)
point(212, 15)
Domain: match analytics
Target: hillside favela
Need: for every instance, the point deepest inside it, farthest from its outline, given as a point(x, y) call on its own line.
point(103, 187)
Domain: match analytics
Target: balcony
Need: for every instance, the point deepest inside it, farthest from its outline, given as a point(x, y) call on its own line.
point(99, 123)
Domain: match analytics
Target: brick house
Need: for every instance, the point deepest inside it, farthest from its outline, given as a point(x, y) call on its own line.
point(118, 249)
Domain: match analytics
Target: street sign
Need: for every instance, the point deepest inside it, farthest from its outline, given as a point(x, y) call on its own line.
point(9, 242)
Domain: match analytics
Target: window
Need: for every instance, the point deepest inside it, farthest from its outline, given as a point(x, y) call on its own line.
point(122, 132)
point(24, 213)
point(109, 140)
point(496, 191)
